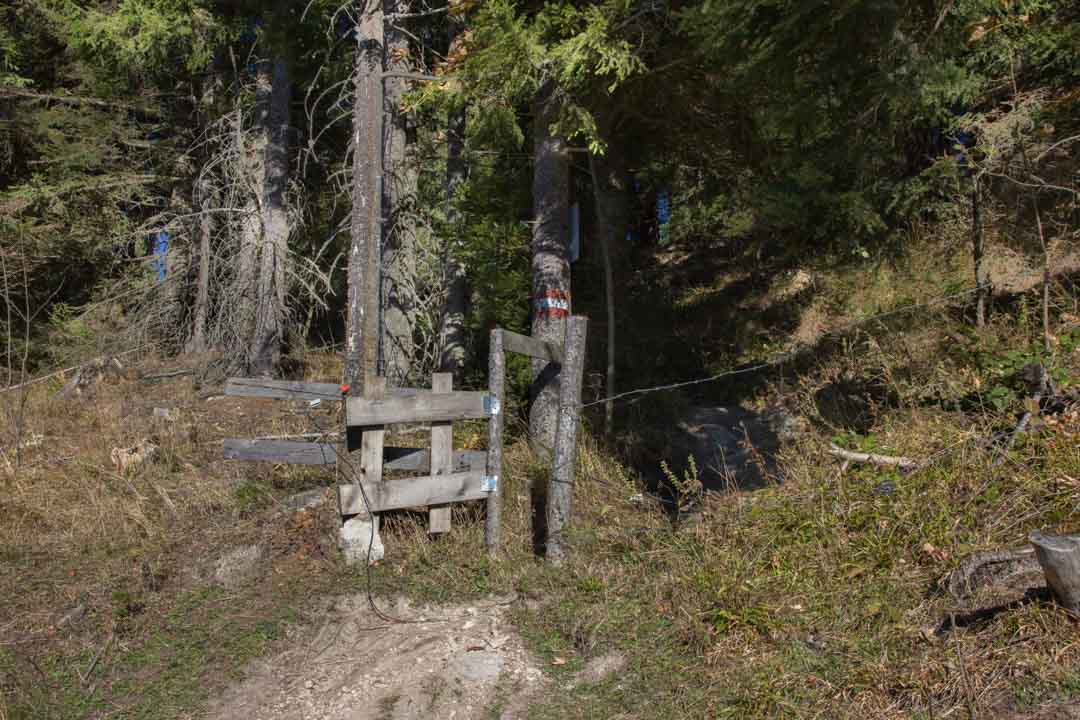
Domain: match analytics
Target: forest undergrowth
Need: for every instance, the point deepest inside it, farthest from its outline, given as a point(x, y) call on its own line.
point(816, 596)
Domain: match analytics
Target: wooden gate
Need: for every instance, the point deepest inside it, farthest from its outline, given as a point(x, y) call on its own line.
point(444, 475)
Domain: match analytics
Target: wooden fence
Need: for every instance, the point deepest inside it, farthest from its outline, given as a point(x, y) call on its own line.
point(445, 475)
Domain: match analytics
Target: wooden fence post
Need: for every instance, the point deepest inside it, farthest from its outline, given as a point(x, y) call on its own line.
point(496, 382)
point(442, 455)
point(561, 490)
point(373, 438)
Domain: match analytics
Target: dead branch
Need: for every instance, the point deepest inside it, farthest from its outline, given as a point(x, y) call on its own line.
point(903, 463)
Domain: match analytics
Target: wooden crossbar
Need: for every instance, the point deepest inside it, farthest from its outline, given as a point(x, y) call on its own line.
point(295, 390)
point(525, 345)
point(412, 492)
point(310, 453)
point(461, 405)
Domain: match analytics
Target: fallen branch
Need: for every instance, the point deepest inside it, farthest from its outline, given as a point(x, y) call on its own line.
point(166, 375)
point(903, 463)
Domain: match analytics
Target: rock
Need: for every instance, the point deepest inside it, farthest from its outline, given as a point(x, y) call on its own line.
point(239, 567)
point(356, 535)
point(479, 667)
point(731, 446)
point(305, 500)
point(166, 414)
point(599, 668)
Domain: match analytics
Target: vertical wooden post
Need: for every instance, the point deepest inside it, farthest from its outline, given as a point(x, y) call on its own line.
point(496, 383)
point(561, 489)
point(372, 439)
point(442, 451)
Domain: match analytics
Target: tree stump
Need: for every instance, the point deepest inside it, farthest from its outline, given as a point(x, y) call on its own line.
point(1059, 556)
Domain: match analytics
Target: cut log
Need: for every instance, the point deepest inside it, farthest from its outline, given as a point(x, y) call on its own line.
point(1059, 556)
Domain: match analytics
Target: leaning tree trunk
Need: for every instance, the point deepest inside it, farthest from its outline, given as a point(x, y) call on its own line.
point(361, 328)
point(550, 264)
point(399, 290)
point(452, 329)
point(610, 186)
point(271, 295)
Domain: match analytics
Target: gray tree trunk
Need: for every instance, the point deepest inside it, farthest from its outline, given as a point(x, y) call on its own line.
point(452, 330)
point(197, 342)
point(610, 186)
point(252, 148)
point(982, 284)
point(361, 330)
point(399, 259)
point(271, 291)
point(550, 265)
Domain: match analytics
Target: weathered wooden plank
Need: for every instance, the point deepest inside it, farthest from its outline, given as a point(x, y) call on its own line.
point(281, 451)
point(282, 389)
point(461, 405)
point(371, 444)
point(525, 345)
point(496, 382)
point(413, 492)
point(314, 453)
point(561, 488)
point(442, 448)
point(295, 390)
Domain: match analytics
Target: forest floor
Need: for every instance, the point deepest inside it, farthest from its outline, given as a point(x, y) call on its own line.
point(189, 586)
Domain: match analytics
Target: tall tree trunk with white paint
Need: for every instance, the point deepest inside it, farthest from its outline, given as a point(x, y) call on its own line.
point(550, 263)
point(361, 329)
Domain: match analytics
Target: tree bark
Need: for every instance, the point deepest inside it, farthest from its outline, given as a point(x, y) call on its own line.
point(271, 291)
point(977, 253)
point(610, 185)
point(252, 148)
point(361, 331)
point(452, 329)
point(197, 342)
point(550, 265)
point(399, 291)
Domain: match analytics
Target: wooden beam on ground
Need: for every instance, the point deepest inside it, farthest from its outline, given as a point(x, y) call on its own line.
point(412, 492)
point(461, 405)
point(442, 449)
point(281, 451)
point(282, 389)
point(419, 459)
point(496, 382)
point(525, 345)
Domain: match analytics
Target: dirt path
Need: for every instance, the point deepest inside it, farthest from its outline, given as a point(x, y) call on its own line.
point(468, 662)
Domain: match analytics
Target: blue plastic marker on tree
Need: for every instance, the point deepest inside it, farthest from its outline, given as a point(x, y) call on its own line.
point(161, 249)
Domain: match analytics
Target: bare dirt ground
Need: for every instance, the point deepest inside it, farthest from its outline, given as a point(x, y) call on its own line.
point(463, 661)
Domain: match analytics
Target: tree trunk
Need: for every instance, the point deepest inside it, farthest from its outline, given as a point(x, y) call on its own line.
point(271, 291)
point(452, 329)
point(550, 265)
point(197, 341)
point(399, 291)
point(610, 185)
point(361, 330)
point(252, 149)
point(981, 283)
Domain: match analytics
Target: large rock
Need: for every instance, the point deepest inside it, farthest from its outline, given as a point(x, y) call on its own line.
point(731, 446)
point(239, 567)
point(357, 534)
